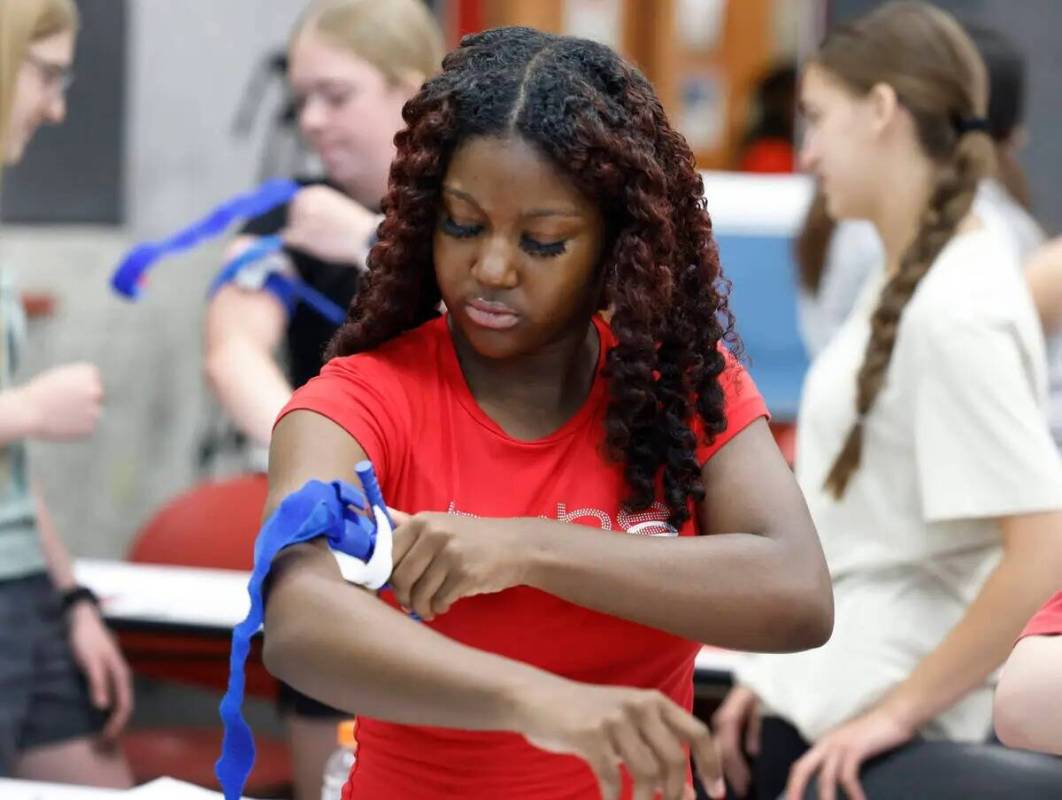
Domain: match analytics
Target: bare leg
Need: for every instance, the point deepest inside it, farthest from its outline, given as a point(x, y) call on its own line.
point(312, 740)
point(87, 761)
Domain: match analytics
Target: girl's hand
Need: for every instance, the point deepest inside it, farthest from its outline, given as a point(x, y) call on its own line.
point(330, 226)
point(837, 757)
point(440, 558)
point(609, 727)
point(737, 728)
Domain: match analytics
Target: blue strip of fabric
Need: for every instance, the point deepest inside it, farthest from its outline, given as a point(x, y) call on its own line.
point(128, 278)
point(317, 509)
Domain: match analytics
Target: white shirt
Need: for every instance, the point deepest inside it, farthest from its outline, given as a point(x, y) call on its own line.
point(956, 439)
point(854, 254)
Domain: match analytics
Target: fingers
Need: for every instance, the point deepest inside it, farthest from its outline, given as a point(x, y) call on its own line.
point(849, 776)
point(801, 773)
point(643, 762)
point(753, 730)
point(828, 775)
point(449, 593)
point(399, 518)
point(672, 760)
point(406, 535)
point(702, 748)
point(727, 726)
point(409, 570)
point(98, 684)
point(121, 682)
point(424, 592)
point(606, 768)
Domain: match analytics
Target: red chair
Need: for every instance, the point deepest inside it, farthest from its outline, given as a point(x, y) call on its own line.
point(212, 525)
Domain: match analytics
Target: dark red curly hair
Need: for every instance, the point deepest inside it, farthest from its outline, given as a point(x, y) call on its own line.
point(598, 119)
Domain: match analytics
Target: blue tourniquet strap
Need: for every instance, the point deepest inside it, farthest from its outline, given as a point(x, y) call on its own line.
point(289, 290)
point(129, 275)
point(317, 509)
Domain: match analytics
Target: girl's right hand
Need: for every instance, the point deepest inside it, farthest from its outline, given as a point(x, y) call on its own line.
point(610, 726)
point(737, 727)
point(64, 402)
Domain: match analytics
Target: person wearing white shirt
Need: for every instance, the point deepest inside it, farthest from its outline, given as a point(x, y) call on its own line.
point(922, 448)
point(836, 258)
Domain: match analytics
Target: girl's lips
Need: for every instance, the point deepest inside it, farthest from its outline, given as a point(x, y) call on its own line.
point(495, 316)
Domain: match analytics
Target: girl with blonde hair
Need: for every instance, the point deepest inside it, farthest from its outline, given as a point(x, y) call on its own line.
point(65, 691)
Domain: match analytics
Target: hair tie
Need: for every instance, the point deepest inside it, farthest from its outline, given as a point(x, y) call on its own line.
point(972, 124)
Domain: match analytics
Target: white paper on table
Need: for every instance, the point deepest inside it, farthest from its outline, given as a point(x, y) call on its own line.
point(170, 789)
point(210, 598)
point(34, 790)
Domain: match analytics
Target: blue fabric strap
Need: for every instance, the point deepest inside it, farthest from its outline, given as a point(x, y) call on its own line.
point(129, 276)
point(290, 291)
point(317, 509)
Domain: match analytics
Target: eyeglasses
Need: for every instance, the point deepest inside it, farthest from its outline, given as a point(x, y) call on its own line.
point(55, 77)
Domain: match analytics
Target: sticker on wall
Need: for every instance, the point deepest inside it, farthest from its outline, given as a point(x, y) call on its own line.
point(700, 23)
point(702, 113)
point(600, 20)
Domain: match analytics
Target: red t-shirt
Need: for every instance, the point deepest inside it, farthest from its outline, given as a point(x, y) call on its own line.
point(434, 449)
point(1048, 620)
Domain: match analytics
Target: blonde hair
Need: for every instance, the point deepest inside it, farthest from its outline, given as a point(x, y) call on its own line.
point(22, 23)
point(399, 37)
point(938, 76)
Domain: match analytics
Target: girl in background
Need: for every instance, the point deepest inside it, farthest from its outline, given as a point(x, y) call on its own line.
point(65, 690)
point(922, 444)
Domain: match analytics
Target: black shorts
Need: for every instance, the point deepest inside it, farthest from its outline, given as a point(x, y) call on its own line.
point(292, 701)
point(44, 698)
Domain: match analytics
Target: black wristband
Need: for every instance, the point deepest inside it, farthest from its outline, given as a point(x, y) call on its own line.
point(79, 594)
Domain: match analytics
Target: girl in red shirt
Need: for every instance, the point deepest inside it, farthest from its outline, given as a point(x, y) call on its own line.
point(587, 501)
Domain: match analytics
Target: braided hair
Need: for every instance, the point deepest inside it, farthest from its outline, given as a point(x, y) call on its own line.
point(599, 121)
point(938, 76)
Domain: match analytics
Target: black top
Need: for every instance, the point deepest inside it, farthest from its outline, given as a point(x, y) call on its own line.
point(308, 332)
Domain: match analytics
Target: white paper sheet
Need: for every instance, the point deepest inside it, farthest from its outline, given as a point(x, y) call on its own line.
point(207, 598)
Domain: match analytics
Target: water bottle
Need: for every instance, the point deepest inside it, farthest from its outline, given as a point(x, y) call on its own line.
point(339, 764)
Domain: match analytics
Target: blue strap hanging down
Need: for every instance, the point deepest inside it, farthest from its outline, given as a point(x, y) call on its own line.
point(362, 545)
point(129, 275)
point(289, 290)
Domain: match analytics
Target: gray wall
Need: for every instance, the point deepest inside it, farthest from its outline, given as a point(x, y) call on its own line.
point(189, 61)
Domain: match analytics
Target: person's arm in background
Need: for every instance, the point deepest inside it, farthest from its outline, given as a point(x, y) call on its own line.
point(94, 648)
point(1026, 711)
point(243, 330)
point(58, 404)
point(1044, 274)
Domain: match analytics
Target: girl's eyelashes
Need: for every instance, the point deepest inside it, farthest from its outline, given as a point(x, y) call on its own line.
point(532, 247)
point(458, 231)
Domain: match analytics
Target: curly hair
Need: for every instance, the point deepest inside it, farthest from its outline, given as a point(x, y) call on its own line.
point(598, 120)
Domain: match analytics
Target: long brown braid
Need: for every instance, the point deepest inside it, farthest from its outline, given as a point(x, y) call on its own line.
point(938, 76)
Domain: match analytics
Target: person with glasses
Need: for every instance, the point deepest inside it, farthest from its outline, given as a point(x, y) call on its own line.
point(65, 690)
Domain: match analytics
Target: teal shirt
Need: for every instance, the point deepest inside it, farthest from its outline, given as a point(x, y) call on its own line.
point(20, 547)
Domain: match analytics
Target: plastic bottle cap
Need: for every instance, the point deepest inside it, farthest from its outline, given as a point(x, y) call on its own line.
point(346, 734)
